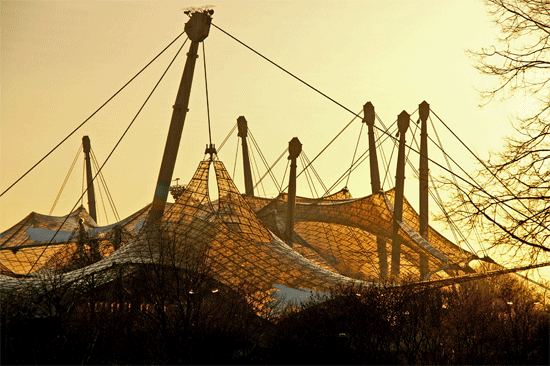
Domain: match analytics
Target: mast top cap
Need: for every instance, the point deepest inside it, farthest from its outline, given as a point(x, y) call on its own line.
point(294, 148)
point(403, 121)
point(242, 126)
point(198, 25)
point(86, 144)
point(368, 114)
point(424, 110)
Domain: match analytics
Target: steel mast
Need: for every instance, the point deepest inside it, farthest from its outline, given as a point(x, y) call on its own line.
point(368, 118)
point(423, 112)
point(197, 29)
point(242, 126)
point(87, 146)
point(294, 150)
point(403, 121)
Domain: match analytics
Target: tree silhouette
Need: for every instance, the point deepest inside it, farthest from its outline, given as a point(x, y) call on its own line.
point(512, 199)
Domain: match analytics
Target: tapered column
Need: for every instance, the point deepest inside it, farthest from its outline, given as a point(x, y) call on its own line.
point(87, 146)
point(403, 124)
point(369, 118)
point(197, 29)
point(242, 127)
point(424, 112)
point(294, 150)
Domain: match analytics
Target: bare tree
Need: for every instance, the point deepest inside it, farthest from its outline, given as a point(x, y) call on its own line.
point(512, 200)
point(521, 57)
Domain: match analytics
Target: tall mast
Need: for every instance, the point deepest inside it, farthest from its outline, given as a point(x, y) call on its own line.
point(294, 150)
point(369, 118)
point(196, 28)
point(87, 146)
point(403, 124)
point(242, 126)
point(424, 112)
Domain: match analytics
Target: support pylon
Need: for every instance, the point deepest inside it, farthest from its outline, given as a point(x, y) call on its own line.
point(369, 117)
point(403, 124)
point(294, 150)
point(87, 146)
point(423, 112)
point(242, 126)
point(197, 29)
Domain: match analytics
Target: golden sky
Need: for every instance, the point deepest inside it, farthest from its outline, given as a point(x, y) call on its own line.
point(60, 60)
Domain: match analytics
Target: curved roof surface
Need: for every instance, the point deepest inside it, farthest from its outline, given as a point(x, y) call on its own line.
point(236, 237)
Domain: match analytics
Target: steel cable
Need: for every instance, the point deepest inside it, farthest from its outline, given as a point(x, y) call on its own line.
point(79, 151)
point(110, 153)
point(90, 116)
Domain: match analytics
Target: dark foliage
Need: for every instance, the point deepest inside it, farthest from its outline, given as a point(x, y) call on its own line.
point(484, 322)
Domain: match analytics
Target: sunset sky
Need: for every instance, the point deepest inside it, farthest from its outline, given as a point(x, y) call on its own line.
point(61, 60)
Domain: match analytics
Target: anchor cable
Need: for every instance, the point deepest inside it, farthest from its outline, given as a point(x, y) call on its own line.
point(284, 174)
point(354, 153)
point(207, 97)
point(110, 153)
point(310, 164)
point(256, 175)
point(473, 184)
point(271, 168)
point(379, 141)
point(83, 183)
point(490, 172)
point(263, 159)
point(327, 145)
point(105, 187)
point(227, 137)
point(90, 116)
point(283, 69)
point(78, 152)
point(235, 161)
point(309, 179)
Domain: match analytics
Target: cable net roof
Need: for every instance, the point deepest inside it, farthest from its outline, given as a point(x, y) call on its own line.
point(343, 232)
point(238, 248)
point(242, 251)
point(237, 237)
point(41, 241)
